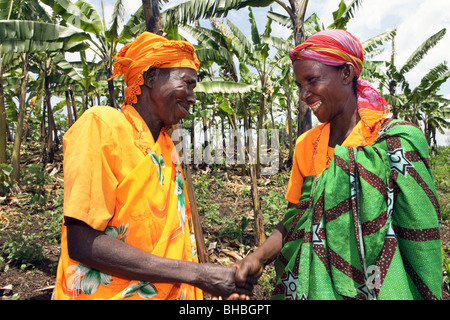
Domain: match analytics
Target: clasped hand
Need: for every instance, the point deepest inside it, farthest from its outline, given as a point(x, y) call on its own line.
point(240, 279)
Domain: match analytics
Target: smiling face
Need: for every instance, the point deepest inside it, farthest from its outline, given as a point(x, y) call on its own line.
point(324, 88)
point(171, 94)
point(166, 97)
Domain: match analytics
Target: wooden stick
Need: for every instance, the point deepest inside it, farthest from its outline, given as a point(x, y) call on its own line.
point(199, 238)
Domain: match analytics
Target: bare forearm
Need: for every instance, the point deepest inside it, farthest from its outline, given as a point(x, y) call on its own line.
point(119, 258)
point(253, 264)
point(102, 252)
point(270, 249)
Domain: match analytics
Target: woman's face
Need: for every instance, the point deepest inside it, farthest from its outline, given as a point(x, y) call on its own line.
point(322, 87)
point(172, 94)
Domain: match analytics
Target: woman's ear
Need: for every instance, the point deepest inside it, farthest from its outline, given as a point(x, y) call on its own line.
point(348, 73)
point(149, 76)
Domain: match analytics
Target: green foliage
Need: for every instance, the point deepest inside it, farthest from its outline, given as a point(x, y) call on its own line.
point(445, 212)
point(422, 50)
point(23, 250)
point(446, 270)
point(34, 36)
point(37, 224)
point(192, 10)
point(267, 281)
point(343, 14)
point(34, 178)
point(234, 228)
point(5, 178)
point(440, 167)
point(273, 207)
point(55, 218)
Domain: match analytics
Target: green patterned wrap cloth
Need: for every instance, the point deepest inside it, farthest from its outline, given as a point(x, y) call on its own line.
point(368, 227)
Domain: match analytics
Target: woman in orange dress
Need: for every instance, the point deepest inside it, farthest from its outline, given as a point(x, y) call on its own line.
point(127, 231)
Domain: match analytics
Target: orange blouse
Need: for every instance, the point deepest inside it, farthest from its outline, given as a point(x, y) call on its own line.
point(117, 179)
point(312, 155)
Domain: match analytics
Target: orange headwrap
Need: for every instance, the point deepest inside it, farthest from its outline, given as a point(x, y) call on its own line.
point(148, 50)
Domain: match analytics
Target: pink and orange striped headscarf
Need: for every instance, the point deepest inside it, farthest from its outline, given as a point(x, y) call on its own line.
point(336, 47)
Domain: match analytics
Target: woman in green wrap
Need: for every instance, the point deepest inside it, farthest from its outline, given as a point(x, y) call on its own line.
point(363, 220)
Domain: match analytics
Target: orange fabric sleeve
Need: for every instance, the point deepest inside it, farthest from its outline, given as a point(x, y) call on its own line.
point(89, 181)
point(303, 165)
point(296, 179)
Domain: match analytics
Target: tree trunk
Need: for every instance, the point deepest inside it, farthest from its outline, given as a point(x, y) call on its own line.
point(193, 130)
point(42, 129)
point(2, 124)
point(52, 134)
point(392, 84)
point(260, 236)
point(274, 151)
point(198, 232)
point(2, 115)
point(205, 126)
point(262, 107)
point(31, 105)
point(298, 15)
point(112, 94)
point(304, 117)
point(290, 130)
point(74, 104)
point(152, 16)
point(69, 111)
point(15, 158)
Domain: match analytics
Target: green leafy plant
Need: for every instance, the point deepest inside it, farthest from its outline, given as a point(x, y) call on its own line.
point(5, 177)
point(23, 250)
point(34, 178)
point(446, 271)
point(267, 280)
point(445, 212)
point(234, 229)
point(273, 205)
point(53, 227)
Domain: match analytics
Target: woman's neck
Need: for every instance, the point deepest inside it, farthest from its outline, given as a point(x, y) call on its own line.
point(342, 125)
point(153, 124)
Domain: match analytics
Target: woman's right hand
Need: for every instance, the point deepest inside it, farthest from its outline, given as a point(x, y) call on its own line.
point(249, 267)
point(253, 265)
point(220, 281)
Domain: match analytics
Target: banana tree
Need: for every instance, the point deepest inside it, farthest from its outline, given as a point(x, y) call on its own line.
point(24, 37)
point(219, 45)
point(9, 9)
point(425, 105)
point(103, 40)
point(193, 10)
point(152, 16)
point(394, 78)
point(435, 118)
point(64, 80)
point(56, 74)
